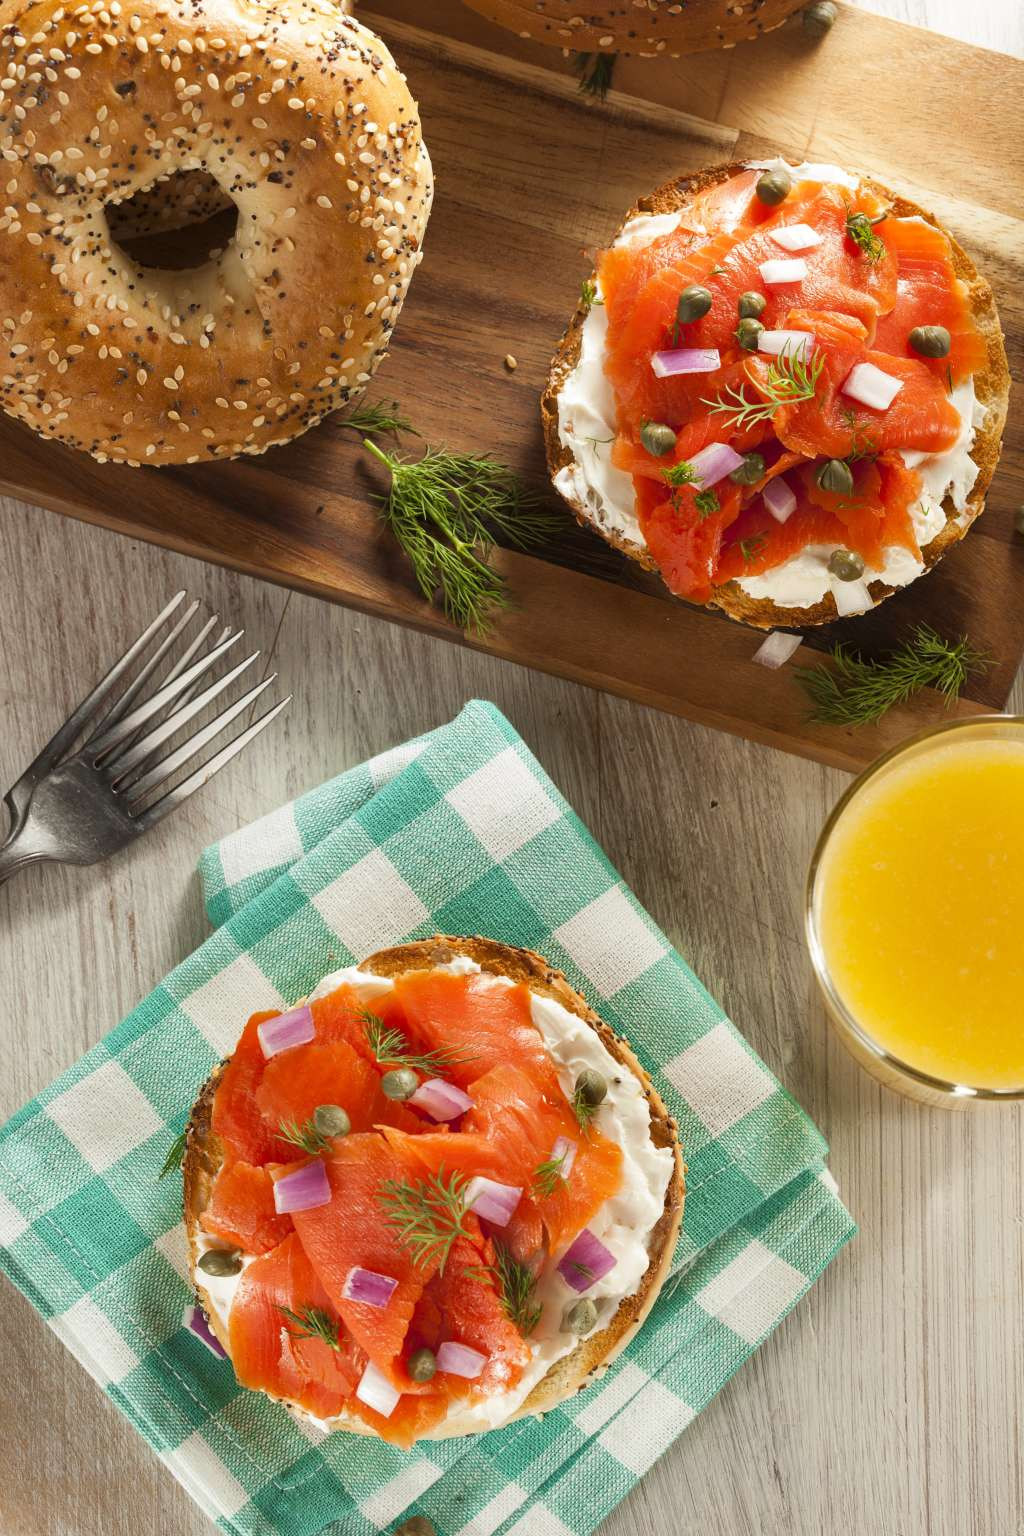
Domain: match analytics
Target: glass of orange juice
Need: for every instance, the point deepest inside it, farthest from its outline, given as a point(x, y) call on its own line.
point(915, 914)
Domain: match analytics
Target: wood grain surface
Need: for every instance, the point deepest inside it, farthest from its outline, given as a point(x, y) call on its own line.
point(513, 204)
point(890, 1403)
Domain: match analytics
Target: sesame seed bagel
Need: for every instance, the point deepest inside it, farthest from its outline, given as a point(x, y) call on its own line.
point(301, 118)
point(647, 27)
point(594, 1352)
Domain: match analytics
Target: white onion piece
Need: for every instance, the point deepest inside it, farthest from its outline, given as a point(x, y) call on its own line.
point(564, 1154)
point(495, 1202)
point(304, 1190)
point(377, 1392)
point(779, 499)
point(284, 1031)
point(851, 597)
point(440, 1100)
point(714, 462)
point(776, 272)
point(459, 1360)
point(665, 365)
point(795, 237)
point(871, 386)
point(793, 343)
point(777, 649)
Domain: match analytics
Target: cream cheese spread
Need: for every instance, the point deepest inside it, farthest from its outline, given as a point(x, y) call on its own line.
point(623, 1224)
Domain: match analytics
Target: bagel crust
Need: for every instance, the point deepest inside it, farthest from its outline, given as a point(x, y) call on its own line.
point(592, 1355)
point(291, 110)
point(992, 388)
point(647, 27)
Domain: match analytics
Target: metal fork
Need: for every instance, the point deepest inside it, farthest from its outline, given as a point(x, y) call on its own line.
point(78, 807)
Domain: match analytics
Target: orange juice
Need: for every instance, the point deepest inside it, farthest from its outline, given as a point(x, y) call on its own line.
point(917, 907)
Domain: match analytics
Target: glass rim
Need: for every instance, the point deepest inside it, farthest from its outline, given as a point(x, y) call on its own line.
point(841, 1013)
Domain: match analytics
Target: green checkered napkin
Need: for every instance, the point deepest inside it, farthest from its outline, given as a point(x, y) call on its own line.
point(460, 831)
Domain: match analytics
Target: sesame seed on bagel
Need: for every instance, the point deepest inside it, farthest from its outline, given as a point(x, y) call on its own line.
point(293, 112)
point(649, 27)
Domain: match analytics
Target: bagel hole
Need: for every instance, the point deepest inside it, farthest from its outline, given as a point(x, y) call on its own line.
point(176, 224)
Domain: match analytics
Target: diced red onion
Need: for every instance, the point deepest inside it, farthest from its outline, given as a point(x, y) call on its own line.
point(440, 1100)
point(368, 1286)
point(377, 1392)
point(777, 271)
point(852, 597)
point(564, 1154)
point(871, 386)
point(288, 1029)
point(714, 462)
point(585, 1261)
point(777, 649)
point(795, 237)
point(195, 1322)
point(779, 499)
point(303, 1190)
point(666, 365)
point(495, 1202)
point(459, 1360)
point(793, 343)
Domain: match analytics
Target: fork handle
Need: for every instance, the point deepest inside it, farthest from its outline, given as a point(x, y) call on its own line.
point(12, 859)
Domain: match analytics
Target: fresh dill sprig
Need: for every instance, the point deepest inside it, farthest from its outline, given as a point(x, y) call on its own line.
point(595, 71)
point(856, 691)
point(790, 378)
point(707, 504)
point(312, 1323)
point(682, 473)
point(547, 1177)
point(427, 1216)
point(862, 444)
point(446, 509)
point(588, 292)
point(378, 417)
point(582, 1108)
point(752, 547)
point(391, 1048)
point(516, 1285)
point(175, 1155)
point(307, 1137)
point(860, 229)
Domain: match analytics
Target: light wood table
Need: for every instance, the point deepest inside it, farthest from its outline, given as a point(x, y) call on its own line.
point(890, 1403)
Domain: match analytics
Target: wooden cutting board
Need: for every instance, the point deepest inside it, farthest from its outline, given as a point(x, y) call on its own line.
point(529, 178)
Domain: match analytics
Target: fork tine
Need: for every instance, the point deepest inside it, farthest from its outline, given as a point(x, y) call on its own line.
point(135, 789)
point(183, 661)
point(143, 713)
point(64, 739)
point(201, 776)
point(121, 762)
point(118, 710)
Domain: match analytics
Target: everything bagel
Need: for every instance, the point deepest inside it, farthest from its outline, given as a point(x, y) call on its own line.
point(301, 118)
point(646, 27)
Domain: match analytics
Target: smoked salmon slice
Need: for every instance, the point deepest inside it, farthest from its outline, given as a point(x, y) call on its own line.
point(296, 1082)
point(479, 1021)
point(242, 1211)
point(929, 293)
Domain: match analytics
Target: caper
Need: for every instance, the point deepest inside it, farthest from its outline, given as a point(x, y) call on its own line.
point(1018, 521)
point(835, 475)
point(416, 1525)
point(657, 438)
point(751, 305)
point(401, 1083)
point(930, 340)
point(846, 564)
point(580, 1317)
point(693, 302)
point(591, 1087)
point(747, 333)
point(773, 186)
point(422, 1365)
point(331, 1120)
point(819, 18)
point(750, 471)
point(220, 1261)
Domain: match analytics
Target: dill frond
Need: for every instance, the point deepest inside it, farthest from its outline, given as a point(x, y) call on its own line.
point(427, 1216)
point(547, 1177)
point(790, 378)
point(368, 419)
point(175, 1155)
point(306, 1137)
point(855, 691)
point(391, 1048)
point(595, 71)
point(312, 1323)
point(860, 229)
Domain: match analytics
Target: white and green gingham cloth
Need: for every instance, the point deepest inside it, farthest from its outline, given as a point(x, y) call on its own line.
point(461, 832)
